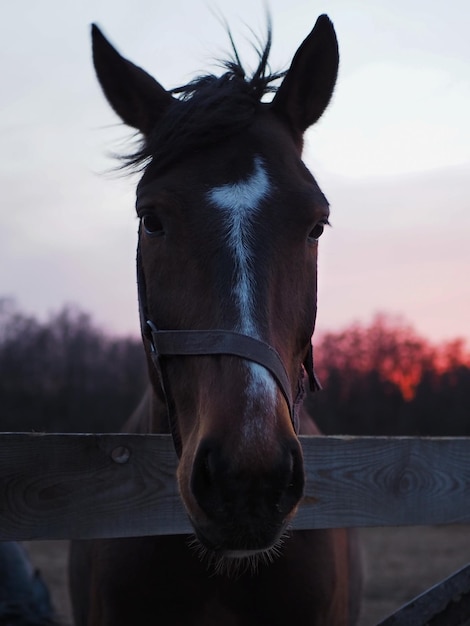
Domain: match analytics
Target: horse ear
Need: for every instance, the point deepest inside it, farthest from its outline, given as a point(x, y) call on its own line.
point(136, 97)
point(309, 83)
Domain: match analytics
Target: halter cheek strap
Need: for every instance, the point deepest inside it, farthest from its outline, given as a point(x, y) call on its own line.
point(219, 342)
point(172, 343)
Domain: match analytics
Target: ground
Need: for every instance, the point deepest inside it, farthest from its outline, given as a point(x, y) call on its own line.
point(400, 563)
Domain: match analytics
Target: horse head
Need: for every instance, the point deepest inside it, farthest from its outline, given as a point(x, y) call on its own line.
point(230, 219)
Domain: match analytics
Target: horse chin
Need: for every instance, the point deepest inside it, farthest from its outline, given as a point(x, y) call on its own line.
point(234, 562)
point(239, 555)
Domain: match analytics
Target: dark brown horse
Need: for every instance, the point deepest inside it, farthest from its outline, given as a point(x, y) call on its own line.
point(230, 219)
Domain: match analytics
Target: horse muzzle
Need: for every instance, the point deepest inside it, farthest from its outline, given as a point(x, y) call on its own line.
point(236, 508)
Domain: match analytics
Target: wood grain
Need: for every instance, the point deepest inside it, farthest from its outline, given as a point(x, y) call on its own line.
point(84, 486)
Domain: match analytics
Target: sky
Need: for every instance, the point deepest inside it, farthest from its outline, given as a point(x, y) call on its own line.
point(392, 152)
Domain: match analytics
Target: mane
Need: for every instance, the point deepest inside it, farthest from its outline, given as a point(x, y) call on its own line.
point(207, 110)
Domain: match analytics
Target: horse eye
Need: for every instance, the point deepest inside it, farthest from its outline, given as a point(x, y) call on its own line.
point(317, 230)
point(152, 224)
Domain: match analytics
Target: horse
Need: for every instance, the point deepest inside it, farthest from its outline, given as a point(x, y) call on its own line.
point(24, 596)
point(229, 223)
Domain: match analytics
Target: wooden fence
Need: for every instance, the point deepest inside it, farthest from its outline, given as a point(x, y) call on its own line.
point(84, 486)
point(55, 486)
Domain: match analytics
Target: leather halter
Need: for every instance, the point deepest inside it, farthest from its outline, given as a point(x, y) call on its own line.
point(173, 343)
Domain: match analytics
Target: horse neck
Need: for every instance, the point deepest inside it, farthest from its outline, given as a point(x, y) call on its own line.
point(150, 416)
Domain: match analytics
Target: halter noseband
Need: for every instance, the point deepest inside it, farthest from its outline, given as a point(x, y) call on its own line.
point(171, 343)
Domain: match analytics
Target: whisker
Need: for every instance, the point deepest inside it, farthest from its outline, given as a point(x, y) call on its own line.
point(219, 564)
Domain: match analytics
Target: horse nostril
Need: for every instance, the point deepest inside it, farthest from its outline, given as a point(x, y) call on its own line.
point(203, 477)
point(294, 484)
point(206, 473)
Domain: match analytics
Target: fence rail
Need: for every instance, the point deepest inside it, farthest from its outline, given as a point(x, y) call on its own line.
point(61, 486)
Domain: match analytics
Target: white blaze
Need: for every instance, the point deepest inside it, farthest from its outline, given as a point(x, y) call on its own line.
point(240, 204)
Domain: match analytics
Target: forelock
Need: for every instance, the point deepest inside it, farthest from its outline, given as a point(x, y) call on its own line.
point(206, 111)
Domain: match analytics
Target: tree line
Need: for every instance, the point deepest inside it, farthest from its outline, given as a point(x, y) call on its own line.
point(386, 379)
point(65, 375)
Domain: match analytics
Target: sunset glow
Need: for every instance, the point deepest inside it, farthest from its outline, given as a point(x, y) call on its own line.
point(391, 349)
